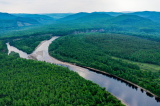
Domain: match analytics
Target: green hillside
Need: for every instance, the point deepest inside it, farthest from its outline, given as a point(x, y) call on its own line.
point(89, 22)
point(73, 16)
point(58, 15)
point(154, 16)
point(9, 21)
point(40, 18)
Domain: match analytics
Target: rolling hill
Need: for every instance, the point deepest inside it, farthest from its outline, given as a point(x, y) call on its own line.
point(58, 15)
point(131, 20)
point(40, 18)
point(154, 16)
point(94, 17)
point(9, 21)
point(74, 16)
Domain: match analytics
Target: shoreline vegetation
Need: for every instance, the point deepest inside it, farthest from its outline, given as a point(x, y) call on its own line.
point(34, 58)
point(114, 76)
point(61, 51)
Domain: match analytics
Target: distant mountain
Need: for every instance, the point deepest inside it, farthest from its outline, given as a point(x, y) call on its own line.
point(114, 13)
point(9, 21)
point(95, 17)
point(74, 16)
point(124, 22)
point(37, 17)
point(126, 19)
point(133, 23)
point(58, 15)
point(154, 16)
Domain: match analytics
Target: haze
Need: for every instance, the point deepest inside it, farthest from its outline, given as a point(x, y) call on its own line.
point(74, 6)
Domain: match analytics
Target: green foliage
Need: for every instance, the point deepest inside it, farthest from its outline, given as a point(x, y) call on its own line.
point(29, 44)
point(3, 47)
point(28, 82)
point(94, 50)
point(128, 47)
point(14, 54)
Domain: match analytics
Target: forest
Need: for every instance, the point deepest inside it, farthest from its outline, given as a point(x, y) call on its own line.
point(128, 47)
point(29, 82)
point(83, 50)
point(3, 47)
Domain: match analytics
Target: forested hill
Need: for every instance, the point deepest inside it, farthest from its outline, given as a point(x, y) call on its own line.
point(94, 17)
point(9, 21)
point(130, 20)
point(40, 18)
point(86, 22)
point(84, 17)
point(73, 16)
point(154, 16)
point(121, 23)
point(58, 15)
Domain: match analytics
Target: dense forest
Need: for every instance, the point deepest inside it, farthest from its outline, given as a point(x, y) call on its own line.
point(29, 82)
point(80, 50)
point(128, 47)
point(3, 47)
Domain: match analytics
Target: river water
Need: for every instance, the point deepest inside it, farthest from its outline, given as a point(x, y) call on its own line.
point(127, 94)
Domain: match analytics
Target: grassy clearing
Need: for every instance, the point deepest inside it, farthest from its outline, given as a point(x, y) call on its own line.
point(143, 66)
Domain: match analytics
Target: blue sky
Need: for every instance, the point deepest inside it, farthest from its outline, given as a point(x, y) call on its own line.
point(74, 6)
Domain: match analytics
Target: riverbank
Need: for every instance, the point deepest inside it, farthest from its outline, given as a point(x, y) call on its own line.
point(58, 62)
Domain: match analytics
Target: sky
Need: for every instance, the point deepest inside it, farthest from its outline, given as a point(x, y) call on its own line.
point(75, 6)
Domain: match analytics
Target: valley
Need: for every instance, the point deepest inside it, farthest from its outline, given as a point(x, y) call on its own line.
point(114, 52)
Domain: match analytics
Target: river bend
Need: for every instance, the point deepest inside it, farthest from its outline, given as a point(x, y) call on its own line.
point(127, 94)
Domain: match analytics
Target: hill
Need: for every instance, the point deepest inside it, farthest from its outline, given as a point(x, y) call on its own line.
point(58, 15)
point(154, 16)
point(40, 18)
point(74, 16)
point(131, 20)
point(114, 13)
point(94, 17)
point(132, 24)
point(9, 21)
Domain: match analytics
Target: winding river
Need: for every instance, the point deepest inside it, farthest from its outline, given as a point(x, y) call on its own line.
point(128, 94)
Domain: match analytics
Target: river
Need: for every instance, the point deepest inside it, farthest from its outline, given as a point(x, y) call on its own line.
point(129, 95)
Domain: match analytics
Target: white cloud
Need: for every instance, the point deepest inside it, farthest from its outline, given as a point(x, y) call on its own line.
point(54, 6)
